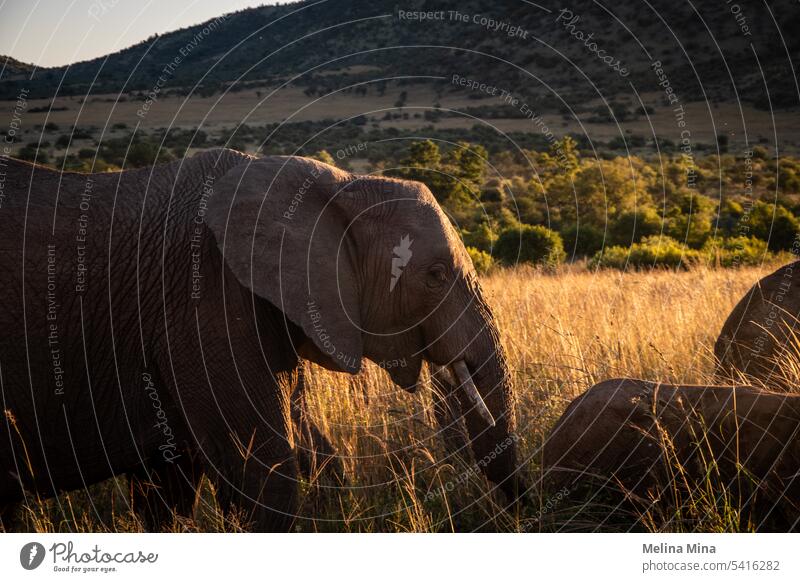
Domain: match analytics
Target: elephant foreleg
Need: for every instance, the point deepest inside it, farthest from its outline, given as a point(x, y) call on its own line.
point(316, 455)
point(262, 483)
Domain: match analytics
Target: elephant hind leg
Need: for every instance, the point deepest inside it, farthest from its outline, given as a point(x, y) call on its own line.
point(165, 489)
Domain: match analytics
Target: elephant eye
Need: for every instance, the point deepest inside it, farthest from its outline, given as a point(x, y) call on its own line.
point(437, 275)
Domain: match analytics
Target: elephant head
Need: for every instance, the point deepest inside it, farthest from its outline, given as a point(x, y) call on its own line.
point(370, 267)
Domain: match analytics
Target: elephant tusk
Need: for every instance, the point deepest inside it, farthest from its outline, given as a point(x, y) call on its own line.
point(465, 378)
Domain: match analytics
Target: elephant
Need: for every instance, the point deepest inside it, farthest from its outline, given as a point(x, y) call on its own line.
point(644, 438)
point(162, 312)
point(159, 491)
point(758, 337)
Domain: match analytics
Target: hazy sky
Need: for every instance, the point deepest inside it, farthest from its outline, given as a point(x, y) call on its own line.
point(59, 32)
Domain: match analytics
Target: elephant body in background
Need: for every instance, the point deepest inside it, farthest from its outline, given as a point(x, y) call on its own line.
point(759, 337)
point(154, 313)
point(647, 438)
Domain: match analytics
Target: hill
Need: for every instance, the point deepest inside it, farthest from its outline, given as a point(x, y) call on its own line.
point(538, 50)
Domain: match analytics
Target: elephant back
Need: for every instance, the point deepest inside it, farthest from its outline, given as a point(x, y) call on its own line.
point(759, 338)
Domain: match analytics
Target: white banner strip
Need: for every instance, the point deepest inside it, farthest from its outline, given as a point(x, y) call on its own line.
point(400, 557)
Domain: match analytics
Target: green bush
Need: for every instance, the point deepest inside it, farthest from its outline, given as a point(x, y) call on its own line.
point(530, 244)
point(31, 153)
point(774, 224)
point(734, 252)
point(482, 237)
point(633, 225)
point(582, 241)
point(652, 251)
point(482, 261)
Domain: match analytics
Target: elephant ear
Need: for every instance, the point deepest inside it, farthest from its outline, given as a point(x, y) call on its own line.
point(283, 235)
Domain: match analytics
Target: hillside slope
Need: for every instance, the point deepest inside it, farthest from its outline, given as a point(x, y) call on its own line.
point(523, 47)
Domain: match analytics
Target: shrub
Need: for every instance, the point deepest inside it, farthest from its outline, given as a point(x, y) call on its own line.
point(633, 225)
point(482, 261)
point(582, 241)
point(734, 252)
point(324, 157)
point(653, 251)
point(482, 237)
point(776, 225)
point(31, 153)
point(530, 244)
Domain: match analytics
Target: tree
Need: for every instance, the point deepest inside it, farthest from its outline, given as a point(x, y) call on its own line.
point(324, 157)
point(774, 224)
point(582, 240)
point(530, 244)
point(423, 164)
point(564, 152)
point(633, 225)
point(463, 169)
point(691, 219)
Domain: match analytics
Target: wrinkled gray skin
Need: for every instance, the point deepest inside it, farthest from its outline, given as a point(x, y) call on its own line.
point(630, 436)
point(759, 334)
point(204, 280)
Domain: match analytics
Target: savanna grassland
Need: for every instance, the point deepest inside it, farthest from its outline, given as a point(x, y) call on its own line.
point(563, 332)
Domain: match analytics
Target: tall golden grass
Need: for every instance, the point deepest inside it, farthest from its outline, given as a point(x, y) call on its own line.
point(563, 332)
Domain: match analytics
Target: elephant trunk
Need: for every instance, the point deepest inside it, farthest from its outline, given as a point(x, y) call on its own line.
point(494, 445)
point(483, 386)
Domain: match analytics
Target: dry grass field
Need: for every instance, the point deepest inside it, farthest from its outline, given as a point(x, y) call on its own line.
point(563, 332)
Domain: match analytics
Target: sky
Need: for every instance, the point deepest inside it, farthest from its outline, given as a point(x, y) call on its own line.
point(58, 32)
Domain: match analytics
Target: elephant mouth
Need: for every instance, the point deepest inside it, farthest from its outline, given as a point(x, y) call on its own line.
point(457, 374)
